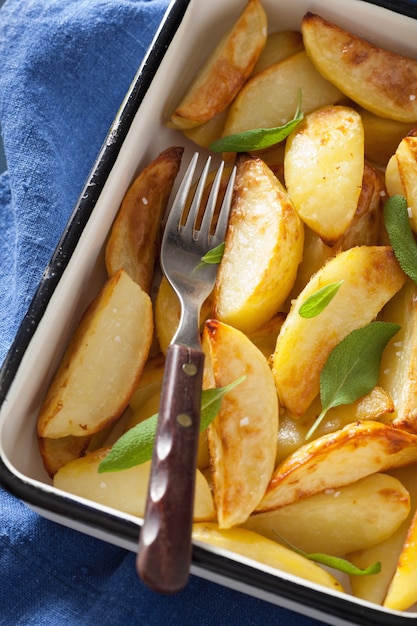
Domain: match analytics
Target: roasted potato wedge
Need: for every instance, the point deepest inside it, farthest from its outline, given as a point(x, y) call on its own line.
point(406, 155)
point(376, 405)
point(339, 521)
point(134, 239)
point(150, 381)
point(242, 438)
point(248, 294)
point(402, 593)
point(225, 71)
point(279, 46)
point(387, 552)
point(338, 459)
point(350, 62)
point(399, 361)
point(371, 276)
point(382, 136)
point(204, 134)
point(56, 453)
point(262, 550)
point(365, 227)
point(125, 490)
point(102, 363)
point(393, 181)
point(324, 153)
point(270, 98)
point(265, 338)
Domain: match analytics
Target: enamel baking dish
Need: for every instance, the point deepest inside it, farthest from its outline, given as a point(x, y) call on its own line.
point(76, 272)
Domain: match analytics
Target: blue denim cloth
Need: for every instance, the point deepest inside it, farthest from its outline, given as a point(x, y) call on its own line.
point(65, 67)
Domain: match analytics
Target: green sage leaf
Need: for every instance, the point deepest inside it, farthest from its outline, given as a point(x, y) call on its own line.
point(318, 301)
point(212, 257)
point(335, 562)
point(397, 223)
point(135, 446)
point(352, 369)
point(258, 138)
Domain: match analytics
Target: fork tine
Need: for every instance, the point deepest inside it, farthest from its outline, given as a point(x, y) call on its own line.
point(196, 202)
point(205, 227)
point(223, 218)
point(177, 208)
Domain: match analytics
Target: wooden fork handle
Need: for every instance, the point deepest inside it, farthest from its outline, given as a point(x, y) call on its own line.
point(164, 554)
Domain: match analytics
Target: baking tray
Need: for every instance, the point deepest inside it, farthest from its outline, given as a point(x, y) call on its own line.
point(75, 273)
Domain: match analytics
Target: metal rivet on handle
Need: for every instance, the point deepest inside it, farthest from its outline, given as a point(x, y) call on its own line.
point(190, 369)
point(184, 419)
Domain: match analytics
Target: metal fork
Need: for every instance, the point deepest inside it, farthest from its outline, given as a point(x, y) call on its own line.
point(164, 554)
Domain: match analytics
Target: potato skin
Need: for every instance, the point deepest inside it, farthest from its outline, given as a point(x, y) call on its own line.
point(100, 368)
point(350, 63)
point(135, 236)
point(226, 70)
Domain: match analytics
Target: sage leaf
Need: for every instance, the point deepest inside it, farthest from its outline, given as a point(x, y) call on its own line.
point(135, 446)
point(258, 138)
point(352, 369)
point(397, 223)
point(335, 562)
point(318, 301)
point(212, 257)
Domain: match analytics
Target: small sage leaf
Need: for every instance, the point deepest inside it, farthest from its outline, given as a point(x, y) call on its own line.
point(352, 369)
point(397, 223)
point(258, 138)
point(318, 301)
point(135, 446)
point(342, 565)
point(213, 256)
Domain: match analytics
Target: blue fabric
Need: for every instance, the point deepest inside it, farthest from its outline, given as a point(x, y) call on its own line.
point(65, 67)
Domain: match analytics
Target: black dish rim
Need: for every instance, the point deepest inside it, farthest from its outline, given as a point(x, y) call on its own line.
point(231, 573)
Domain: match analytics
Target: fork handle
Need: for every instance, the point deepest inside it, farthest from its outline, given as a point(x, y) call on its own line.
point(164, 555)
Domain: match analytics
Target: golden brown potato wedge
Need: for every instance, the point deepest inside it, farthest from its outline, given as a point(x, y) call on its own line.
point(270, 98)
point(399, 361)
point(350, 63)
point(364, 229)
point(406, 154)
point(393, 181)
point(150, 381)
point(325, 153)
point(204, 134)
point(56, 453)
point(279, 46)
point(376, 405)
point(382, 136)
point(265, 338)
point(338, 459)
point(102, 363)
point(248, 294)
point(262, 550)
point(135, 234)
point(125, 490)
point(371, 276)
point(374, 588)
point(339, 521)
point(402, 591)
point(242, 438)
point(225, 71)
